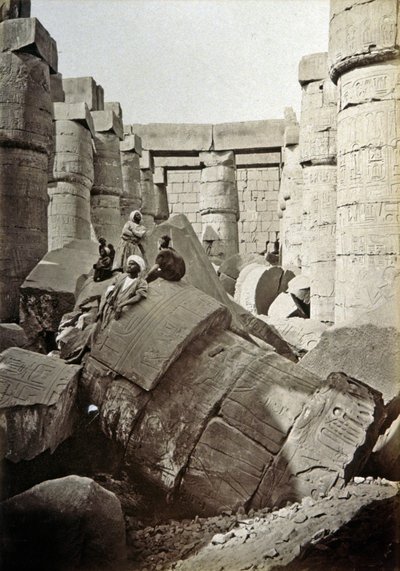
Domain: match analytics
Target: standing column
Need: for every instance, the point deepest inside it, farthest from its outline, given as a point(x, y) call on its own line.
point(160, 188)
point(318, 158)
point(131, 151)
point(219, 205)
point(365, 63)
point(25, 141)
point(291, 196)
point(107, 185)
point(71, 175)
point(147, 188)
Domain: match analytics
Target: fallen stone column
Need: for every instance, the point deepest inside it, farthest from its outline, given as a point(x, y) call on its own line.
point(131, 150)
point(147, 188)
point(25, 142)
point(365, 64)
point(107, 185)
point(318, 158)
point(291, 191)
point(219, 205)
point(71, 176)
point(37, 403)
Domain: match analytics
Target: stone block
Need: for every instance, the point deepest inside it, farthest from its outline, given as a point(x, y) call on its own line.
point(159, 176)
point(301, 334)
point(253, 160)
point(83, 90)
point(291, 136)
point(107, 121)
point(37, 402)
point(73, 507)
point(10, 9)
point(162, 442)
point(283, 306)
point(249, 135)
point(74, 112)
point(131, 142)
point(12, 335)
point(56, 88)
point(146, 161)
point(48, 291)
point(374, 357)
point(125, 346)
point(257, 286)
point(115, 107)
point(174, 136)
point(313, 67)
point(29, 36)
point(329, 443)
point(213, 159)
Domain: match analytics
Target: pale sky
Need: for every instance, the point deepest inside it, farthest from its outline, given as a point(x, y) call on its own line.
point(189, 61)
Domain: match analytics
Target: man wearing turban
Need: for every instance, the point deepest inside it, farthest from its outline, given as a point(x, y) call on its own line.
point(130, 240)
point(127, 289)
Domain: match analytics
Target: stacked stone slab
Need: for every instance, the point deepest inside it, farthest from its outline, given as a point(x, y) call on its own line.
point(25, 142)
point(291, 196)
point(131, 151)
point(318, 158)
point(70, 175)
point(107, 185)
point(364, 61)
point(219, 205)
point(147, 188)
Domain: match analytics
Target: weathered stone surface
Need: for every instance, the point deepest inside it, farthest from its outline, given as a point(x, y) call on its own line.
point(328, 444)
point(65, 523)
point(131, 142)
point(131, 198)
point(384, 461)
point(301, 334)
point(313, 67)
point(107, 121)
point(95, 380)
point(257, 286)
point(352, 45)
point(48, 291)
point(37, 402)
point(168, 431)
point(84, 90)
point(56, 89)
point(244, 160)
point(28, 35)
point(114, 106)
point(174, 136)
point(145, 341)
point(248, 135)
point(12, 335)
point(10, 9)
point(374, 357)
point(282, 307)
point(74, 112)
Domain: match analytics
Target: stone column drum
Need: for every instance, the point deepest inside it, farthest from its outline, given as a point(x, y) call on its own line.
point(365, 63)
point(318, 157)
point(107, 185)
point(131, 150)
point(25, 141)
point(219, 205)
point(71, 175)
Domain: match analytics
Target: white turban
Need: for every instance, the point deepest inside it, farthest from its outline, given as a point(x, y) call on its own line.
point(133, 213)
point(140, 262)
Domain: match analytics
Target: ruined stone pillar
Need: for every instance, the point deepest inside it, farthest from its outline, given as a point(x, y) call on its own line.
point(318, 157)
point(131, 150)
point(25, 141)
point(147, 188)
point(364, 62)
point(219, 205)
point(70, 175)
point(160, 188)
point(290, 198)
point(107, 185)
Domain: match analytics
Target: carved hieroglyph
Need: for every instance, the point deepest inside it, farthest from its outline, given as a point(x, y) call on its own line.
point(25, 140)
point(219, 204)
point(37, 396)
point(150, 335)
point(107, 185)
point(365, 62)
point(70, 182)
point(319, 452)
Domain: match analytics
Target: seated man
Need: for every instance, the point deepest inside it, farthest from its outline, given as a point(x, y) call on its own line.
point(127, 289)
point(169, 265)
point(103, 266)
